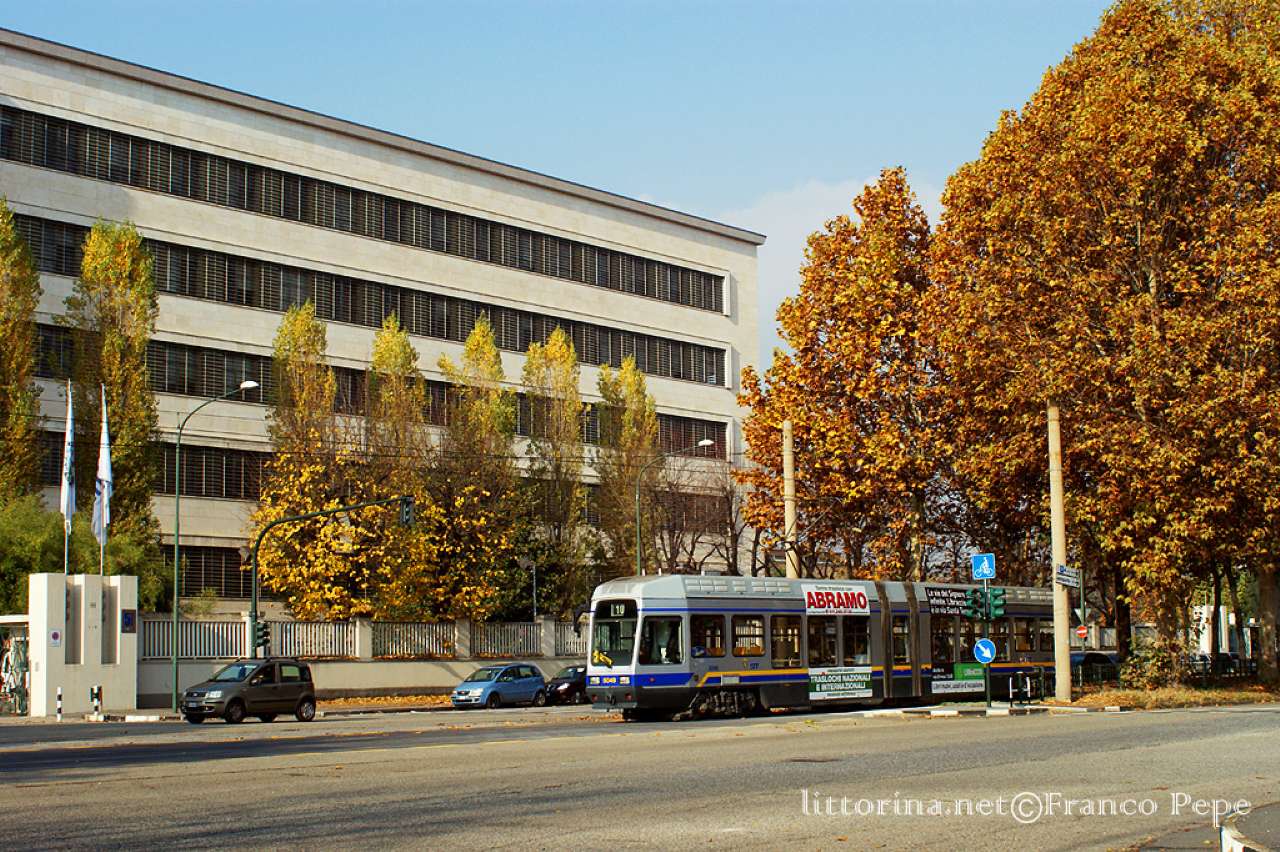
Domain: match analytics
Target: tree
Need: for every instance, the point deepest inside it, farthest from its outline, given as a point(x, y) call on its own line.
point(112, 313)
point(1113, 249)
point(551, 380)
point(31, 543)
point(308, 561)
point(624, 462)
point(475, 481)
point(19, 396)
point(857, 387)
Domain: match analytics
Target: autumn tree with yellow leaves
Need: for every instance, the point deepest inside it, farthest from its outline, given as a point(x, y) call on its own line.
point(19, 398)
point(858, 387)
point(628, 446)
point(1114, 249)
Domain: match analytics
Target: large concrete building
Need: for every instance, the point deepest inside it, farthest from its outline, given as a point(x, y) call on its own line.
point(250, 206)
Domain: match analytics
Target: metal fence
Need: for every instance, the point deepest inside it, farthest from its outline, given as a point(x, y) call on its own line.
point(568, 643)
point(412, 640)
point(313, 639)
point(506, 639)
point(197, 640)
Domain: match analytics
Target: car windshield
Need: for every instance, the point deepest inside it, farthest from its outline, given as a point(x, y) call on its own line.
point(481, 675)
point(236, 672)
point(568, 673)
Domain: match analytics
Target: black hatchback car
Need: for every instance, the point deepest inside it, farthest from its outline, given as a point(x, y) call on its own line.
point(569, 686)
point(262, 688)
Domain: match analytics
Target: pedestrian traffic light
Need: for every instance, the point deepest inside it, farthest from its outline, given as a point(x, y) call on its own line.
point(261, 634)
point(995, 604)
point(973, 604)
point(406, 511)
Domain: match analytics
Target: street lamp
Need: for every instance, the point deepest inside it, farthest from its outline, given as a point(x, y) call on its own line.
point(705, 442)
point(246, 385)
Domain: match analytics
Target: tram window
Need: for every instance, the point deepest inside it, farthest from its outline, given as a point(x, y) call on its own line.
point(1023, 638)
point(784, 640)
point(857, 640)
point(614, 634)
point(968, 635)
point(822, 641)
point(708, 635)
point(660, 641)
point(1045, 627)
point(748, 635)
point(944, 639)
point(1000, 636)
point(901, 639)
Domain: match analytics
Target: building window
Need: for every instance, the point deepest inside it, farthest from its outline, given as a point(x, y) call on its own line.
point(74, 147)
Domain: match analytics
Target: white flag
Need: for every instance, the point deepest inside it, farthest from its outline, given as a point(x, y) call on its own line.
point(67, 501)
point(102, 484)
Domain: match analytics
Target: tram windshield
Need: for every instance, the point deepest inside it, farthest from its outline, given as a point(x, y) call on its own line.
point(613, 636)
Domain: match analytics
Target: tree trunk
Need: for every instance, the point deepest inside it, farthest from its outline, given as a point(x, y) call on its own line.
point(1124, 618)
point(1268, 602)
point(1215, 621)
point(1234, 593)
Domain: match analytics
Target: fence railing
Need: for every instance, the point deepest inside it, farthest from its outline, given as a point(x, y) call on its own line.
point(313, 639)
point(408, 640)
point(568, 643)
point(197, 640)
point(506, 639)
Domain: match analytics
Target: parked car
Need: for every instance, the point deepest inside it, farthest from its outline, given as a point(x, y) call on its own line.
point(1093, 666)
point(262, 688)
point(493, 686)
point(569, 686)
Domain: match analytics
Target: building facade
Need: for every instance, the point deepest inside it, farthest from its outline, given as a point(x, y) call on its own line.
point(250, 206)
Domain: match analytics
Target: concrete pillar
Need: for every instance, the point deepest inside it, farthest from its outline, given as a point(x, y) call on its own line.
point(462, 639)
point(364, 639)
point(547, 628)
point(46, 614)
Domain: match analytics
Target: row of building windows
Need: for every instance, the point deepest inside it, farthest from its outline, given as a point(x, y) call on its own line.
point(69, 146)
point(230, 279)
point(177, 368)
point(218, 569)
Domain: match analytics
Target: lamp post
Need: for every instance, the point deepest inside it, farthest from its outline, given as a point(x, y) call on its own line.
point(177, 522)
point(705, 442)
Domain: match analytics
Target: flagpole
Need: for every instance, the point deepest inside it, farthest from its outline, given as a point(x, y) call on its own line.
point(68, 495)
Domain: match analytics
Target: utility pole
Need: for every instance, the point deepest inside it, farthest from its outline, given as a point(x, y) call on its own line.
point(789, 499)
point(1058, 532)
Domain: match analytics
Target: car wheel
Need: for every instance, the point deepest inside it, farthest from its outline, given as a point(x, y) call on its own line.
point(306, 710)
point(267, 717)
point(581, 697)
point(235, 712)
point(494, 701)
point(539, 698)
point(194, 718)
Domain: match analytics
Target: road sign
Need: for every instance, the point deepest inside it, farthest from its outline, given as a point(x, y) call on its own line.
point(1082, 631)
point(1064, 576)
point(984, 566)
point(984, 651)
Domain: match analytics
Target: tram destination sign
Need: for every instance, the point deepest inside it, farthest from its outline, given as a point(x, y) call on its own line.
point(943, 601)
point(834, 599)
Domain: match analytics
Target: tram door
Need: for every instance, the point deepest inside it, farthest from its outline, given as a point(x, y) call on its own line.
point(899, 623)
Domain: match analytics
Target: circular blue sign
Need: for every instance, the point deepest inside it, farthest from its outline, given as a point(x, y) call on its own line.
point(984, 651)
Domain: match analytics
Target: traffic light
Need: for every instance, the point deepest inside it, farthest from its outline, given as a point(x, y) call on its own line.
point(973, 604)
point(261, 634)
point(995, 604)
point(406, 511)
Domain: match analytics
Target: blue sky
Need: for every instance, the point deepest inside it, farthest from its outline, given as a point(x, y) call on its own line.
point(767, 115)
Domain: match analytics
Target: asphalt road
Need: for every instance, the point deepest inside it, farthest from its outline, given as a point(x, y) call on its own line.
point(572, 778)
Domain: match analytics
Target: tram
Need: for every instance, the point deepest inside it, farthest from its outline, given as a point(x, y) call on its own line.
point(672, 645)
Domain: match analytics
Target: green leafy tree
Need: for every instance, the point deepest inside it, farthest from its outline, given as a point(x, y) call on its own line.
point(19, 397)
point(112, 313)
point(628, 446)
point(551, 380)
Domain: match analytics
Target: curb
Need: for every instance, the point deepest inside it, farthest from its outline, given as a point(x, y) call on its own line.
point(379, 711)
point(1067, 711)
point(955, 712)
point(131, 717)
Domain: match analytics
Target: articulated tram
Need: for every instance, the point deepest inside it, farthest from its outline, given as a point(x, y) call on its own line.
point(662, 646)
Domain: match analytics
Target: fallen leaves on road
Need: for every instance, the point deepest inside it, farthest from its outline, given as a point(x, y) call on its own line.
point(1175, 696)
